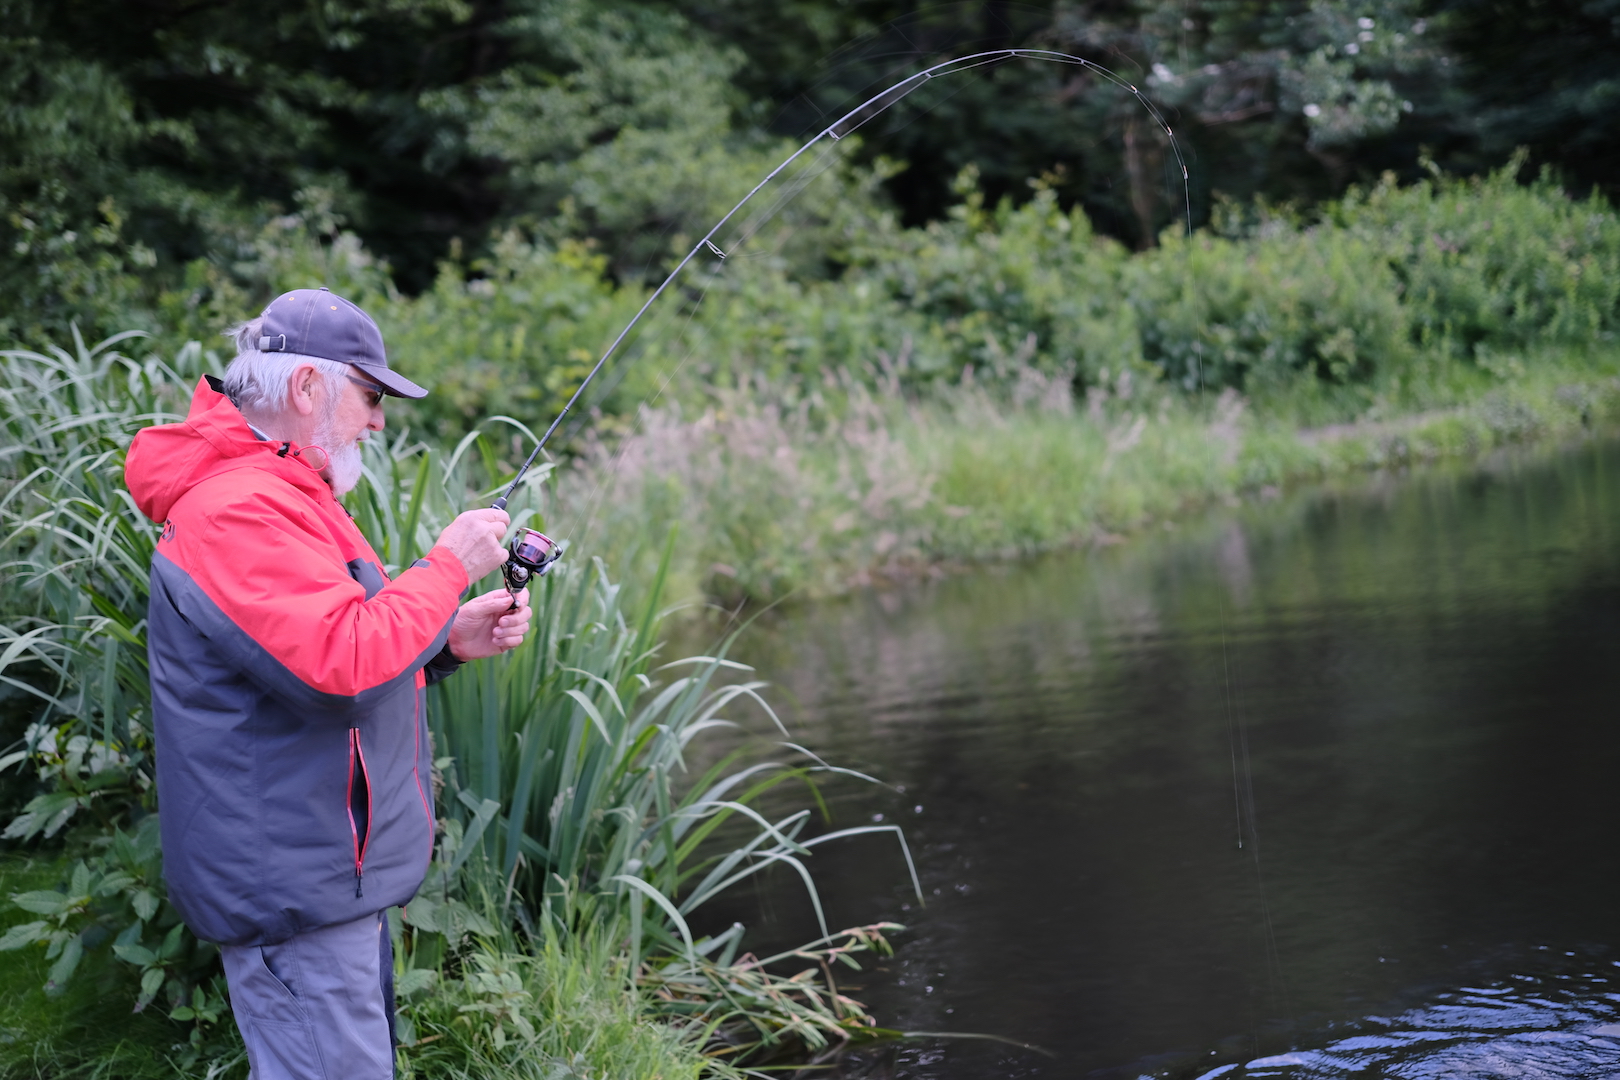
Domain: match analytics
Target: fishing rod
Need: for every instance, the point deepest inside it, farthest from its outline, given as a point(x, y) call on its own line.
point(532, 553)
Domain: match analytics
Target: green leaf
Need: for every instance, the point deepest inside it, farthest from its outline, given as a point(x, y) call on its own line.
point(62, 970)
point(173, 942)
point(23, 935)
point(483, 814)
point(43, 902)
point(458, 920)
point(414, 981)
point(669, 909)
point(114, 883)
point(146, 904)
point(138, 955)
point(152, 982)
point(44, 813)
point(183, 1013)
point(422, 913)
point(591, 711)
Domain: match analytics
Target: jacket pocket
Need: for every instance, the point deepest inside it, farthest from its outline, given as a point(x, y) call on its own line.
point(359, 808)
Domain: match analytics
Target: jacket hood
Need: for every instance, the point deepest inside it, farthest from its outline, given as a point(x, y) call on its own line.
point(166, 461)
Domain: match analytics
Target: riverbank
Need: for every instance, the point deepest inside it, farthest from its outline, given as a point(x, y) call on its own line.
point(546, 940)
point(566, 1010)
point(768, 504)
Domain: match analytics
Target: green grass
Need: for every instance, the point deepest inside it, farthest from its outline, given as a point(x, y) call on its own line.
point(562, 1010)
point(770, 503)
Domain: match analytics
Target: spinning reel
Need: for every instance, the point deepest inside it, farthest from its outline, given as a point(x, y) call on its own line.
point(530, 556)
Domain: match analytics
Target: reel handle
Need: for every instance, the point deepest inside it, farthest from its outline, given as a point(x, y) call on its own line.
point(532, 553)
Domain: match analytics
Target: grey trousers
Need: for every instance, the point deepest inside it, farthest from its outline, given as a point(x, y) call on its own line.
point(318, 1006)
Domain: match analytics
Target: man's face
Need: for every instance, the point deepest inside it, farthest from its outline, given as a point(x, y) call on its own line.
point(357, 411)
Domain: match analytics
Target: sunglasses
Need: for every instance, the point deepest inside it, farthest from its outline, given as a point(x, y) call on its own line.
point(374, 393)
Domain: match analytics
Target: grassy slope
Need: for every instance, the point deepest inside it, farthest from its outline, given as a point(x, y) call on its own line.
point(767, 505)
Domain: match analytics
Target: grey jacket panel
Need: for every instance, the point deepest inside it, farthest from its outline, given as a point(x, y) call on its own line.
point(255, 768)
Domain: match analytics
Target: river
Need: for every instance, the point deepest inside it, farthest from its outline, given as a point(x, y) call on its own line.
point(1312, 787)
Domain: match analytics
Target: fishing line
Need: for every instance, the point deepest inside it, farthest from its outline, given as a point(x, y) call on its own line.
point(531, 552)
point(1247, 810)
point(846, 125)
point(828, 159)
point(1244, 805)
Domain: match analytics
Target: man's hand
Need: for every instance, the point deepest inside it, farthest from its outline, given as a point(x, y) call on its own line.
point(487, 625)
point(475, 539)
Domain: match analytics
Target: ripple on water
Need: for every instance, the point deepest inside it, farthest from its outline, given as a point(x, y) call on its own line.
point(1570, 1031)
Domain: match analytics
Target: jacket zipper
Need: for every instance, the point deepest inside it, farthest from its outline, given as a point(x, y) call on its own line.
point(358, 756)
point(416, 771)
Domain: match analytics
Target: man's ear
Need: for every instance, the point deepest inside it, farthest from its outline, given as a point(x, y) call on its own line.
point(302, 386)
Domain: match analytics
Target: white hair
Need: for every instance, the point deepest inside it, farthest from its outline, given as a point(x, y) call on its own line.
point(256, 381)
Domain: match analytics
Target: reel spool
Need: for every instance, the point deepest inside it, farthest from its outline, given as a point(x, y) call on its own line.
point(530, 555)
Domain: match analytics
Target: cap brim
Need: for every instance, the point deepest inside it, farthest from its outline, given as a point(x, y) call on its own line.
point(393, 383)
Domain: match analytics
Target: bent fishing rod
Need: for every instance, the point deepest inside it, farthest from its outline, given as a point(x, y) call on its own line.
point(532, 553)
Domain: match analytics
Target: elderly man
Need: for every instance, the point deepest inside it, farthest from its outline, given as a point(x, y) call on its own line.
point(288, 683)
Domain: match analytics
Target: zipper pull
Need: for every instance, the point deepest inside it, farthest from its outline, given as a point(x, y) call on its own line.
point(358, 890)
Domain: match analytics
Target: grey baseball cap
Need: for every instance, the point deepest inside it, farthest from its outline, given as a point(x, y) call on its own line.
point(319, 322)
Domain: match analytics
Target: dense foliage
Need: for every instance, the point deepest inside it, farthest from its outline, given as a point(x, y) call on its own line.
point(146, 149)
point(1335, 311)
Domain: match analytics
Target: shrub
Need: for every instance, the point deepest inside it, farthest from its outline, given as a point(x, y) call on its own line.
point(1490, 265)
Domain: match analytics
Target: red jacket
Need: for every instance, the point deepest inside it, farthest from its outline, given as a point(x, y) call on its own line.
point(287, 685)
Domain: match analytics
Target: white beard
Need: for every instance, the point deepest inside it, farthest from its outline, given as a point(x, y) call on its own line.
point(343, 461)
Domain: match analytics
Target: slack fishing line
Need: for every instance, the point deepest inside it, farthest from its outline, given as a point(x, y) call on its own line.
point(533, 553)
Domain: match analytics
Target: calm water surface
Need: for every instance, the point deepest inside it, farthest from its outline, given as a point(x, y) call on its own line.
point(1402, 697)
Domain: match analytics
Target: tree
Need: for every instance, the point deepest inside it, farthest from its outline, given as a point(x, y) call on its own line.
point(1544, 74)
point(1285, 99)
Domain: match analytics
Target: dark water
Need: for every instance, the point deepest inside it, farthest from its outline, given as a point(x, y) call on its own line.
point(1404, 698)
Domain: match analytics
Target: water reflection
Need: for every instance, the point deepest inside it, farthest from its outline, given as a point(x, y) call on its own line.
point(1397, 695)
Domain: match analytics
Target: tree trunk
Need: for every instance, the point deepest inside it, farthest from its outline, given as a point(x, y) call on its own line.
point(1144, 158)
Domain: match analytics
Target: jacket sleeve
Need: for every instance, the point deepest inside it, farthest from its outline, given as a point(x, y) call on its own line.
point(443, 665)
point(275, 571)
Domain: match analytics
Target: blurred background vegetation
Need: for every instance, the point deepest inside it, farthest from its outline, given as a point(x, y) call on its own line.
point(500, 182)
point(154, 153)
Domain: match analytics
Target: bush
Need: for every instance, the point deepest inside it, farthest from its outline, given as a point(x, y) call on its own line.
point(1488, 265)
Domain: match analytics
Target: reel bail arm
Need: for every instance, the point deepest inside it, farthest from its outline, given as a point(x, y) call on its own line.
point(531, 555)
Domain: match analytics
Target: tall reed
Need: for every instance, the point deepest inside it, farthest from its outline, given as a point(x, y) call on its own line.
point(566, 808)
point(580, 736)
